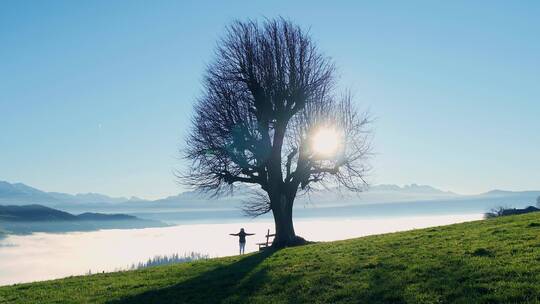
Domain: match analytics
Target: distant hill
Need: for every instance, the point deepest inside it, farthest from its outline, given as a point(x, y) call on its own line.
point(33, 213)
point(93, 216)
point(505, 193)
point(38, 218)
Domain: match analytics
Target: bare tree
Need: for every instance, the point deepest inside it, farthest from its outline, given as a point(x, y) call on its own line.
point(496, 212)
point(267, 95)
point(538, 202)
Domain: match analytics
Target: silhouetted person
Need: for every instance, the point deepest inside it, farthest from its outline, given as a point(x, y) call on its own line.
point(242, 238)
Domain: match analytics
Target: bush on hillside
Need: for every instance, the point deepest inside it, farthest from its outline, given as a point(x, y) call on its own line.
point(504, 211)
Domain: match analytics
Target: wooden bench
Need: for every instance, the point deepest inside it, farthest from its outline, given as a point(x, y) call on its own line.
point(268, 243)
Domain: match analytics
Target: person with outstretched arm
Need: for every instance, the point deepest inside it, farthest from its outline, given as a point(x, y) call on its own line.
point(242, 237)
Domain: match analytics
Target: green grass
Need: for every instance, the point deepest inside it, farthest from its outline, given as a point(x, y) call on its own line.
point(491, 261)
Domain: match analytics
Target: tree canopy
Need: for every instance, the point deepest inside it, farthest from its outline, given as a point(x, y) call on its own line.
point(268, 112)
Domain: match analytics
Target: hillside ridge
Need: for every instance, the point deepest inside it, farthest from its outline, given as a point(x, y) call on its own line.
point(487, 261)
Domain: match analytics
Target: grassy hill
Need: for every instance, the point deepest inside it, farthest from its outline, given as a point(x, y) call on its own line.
point(491, 261)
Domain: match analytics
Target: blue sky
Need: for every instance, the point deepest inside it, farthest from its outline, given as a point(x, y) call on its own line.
point(96, 96)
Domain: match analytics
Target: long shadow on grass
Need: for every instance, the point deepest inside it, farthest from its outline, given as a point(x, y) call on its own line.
point(231, 283)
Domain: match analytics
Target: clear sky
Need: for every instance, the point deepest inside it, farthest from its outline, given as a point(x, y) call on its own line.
point(96, 96)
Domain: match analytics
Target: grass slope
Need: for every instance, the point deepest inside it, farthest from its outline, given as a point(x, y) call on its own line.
point(491, 261)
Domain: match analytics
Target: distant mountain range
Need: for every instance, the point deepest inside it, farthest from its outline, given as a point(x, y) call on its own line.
point(194, 207)
point(21, 194)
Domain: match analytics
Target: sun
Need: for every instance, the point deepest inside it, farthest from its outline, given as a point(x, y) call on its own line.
point(326, 142)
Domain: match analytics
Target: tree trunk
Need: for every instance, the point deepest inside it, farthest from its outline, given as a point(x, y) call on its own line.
point(282, 210)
